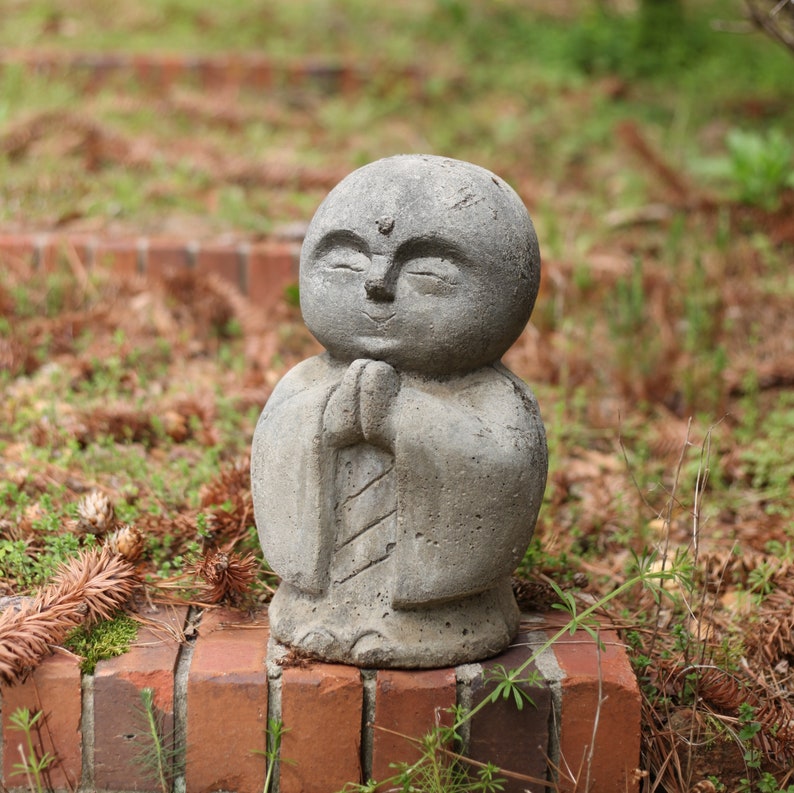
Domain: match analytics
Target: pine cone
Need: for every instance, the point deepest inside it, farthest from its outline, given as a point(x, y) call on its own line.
point(87, 588)
point(127, 541)
point(96, 514)
point(227, 576)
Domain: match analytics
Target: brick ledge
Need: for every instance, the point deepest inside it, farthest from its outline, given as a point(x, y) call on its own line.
point(216, 693)
point(259, 269)
point(159, 71)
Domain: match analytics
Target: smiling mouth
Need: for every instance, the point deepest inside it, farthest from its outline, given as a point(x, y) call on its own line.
point(379, 319)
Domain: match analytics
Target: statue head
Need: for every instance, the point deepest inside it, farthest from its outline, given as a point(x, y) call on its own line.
point(427, 263)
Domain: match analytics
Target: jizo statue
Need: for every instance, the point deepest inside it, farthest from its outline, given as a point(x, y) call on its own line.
point(397, 477)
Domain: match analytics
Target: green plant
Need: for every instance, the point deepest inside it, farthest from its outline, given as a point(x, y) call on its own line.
point(31, 765)
point(758, 166)
point(275, 732)
point(158, 751)
point(106, 639)
point(439, 769)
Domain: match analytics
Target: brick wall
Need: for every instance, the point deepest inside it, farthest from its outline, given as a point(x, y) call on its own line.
point(261, 270)
point(217, 679)
point(252, 71)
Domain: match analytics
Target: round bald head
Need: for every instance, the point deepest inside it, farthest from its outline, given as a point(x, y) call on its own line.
point(427, 263)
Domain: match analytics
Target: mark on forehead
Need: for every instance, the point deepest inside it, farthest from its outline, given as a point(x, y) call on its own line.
point(468, 199)
point(385, 224)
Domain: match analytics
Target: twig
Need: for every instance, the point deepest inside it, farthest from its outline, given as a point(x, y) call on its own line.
point(25, 768)
point(762, 20)
point(476, 763)
point(596, 719)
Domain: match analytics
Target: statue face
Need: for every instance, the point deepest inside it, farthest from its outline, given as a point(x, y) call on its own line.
point(406, 261)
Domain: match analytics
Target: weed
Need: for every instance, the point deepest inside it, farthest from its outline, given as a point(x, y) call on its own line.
point(439, 770)
point(158, 753)
point(760, 165)
point(31, 765)
point(275, 732)
point(508, 684)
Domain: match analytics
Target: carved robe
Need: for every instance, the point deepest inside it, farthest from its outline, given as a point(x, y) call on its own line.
point(452, 502)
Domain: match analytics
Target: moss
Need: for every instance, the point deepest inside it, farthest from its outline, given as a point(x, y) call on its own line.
point(104, 640)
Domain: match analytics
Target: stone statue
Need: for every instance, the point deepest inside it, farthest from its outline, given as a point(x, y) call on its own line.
point(397, 477)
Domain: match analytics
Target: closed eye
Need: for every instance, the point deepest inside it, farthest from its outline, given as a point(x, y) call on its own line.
point(345, 259)
point(434, 268)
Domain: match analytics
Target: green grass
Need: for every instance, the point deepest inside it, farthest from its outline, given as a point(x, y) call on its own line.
point(506, 87)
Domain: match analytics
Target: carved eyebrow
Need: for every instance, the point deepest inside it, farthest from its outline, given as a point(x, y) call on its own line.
point(341, 238)
point(421, 247)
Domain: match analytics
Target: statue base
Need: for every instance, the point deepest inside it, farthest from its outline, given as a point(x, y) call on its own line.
point(372, 633)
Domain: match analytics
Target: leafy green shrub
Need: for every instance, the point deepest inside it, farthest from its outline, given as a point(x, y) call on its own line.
point(760, 166)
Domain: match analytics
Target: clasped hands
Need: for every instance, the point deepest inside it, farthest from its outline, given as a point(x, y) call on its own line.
point(361, 409)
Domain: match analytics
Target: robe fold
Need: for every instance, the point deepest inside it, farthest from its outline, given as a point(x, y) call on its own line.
point(469, 470)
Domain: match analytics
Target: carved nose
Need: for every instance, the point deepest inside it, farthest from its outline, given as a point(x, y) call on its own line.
point(379, 289)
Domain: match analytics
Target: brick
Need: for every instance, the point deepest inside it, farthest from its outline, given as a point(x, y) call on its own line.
point(351, 80)
point(222, 260)
point(121, 256)
point(173, 69)
point(83, 246)
point(46, 256)
point(28, 250)
point(271, 268)
point(321, 708)
point(214, 73)
point(102, 68)
point(514, 740)
point(147, 70)
point(160, 72)
point(18, 249)
point(410, 703)
point(167, 254)
point(54, 688)
point(121, 737)
point(616, 752)
point(322, 76)
point(258, 73)
point(227, 705)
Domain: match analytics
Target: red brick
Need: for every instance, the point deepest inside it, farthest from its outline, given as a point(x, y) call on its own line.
point(227, 705)
point(54, 688)
point(83, 246)
point(160, 72)
point(215, 73)
point(18, 249)
point(103, 68)
point(616, 754)
point(272, 267)
point(258, 73)
point(120, 729)
point(222, 260)
point(119, 255)
point(147, 70)
point(34, 250)
point(409, 703)
point(351, 80)
point(515, 740)
point(173, 69)
point(167, 254)
point(321, 75)
point(46, 253)
point(321, 707)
